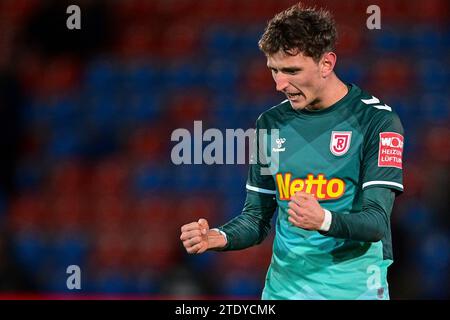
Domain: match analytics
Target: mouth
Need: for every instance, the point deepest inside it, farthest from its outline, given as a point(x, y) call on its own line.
point(293, 96)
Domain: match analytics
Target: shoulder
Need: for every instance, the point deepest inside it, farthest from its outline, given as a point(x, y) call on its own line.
point(275, 113)
point(372, 111)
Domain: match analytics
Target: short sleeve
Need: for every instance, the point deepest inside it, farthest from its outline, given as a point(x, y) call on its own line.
point(260, 179)
point(383, 153)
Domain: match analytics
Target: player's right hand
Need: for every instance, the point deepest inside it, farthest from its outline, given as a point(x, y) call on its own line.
point(194, 236)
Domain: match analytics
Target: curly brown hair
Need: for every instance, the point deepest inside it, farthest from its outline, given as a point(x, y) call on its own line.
point(302, 29)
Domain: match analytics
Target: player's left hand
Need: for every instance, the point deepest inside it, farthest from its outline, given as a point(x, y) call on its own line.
point(305, 211)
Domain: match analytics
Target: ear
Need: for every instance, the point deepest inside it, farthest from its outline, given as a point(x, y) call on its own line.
point(327, 64)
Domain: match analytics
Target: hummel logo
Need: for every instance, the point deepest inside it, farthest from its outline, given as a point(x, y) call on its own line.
point(371, 101)
point(375, 102)
point(279, 142)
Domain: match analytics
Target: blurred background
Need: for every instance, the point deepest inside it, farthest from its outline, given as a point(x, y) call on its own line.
point(86, 118)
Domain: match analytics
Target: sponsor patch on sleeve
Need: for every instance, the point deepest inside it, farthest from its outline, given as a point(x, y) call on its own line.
point(390, 151)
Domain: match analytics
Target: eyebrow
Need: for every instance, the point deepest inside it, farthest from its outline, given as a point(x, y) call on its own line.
point(286, 69)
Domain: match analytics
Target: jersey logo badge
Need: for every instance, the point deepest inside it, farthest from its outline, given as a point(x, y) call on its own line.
point(279, 142)
point(390, 150)
point(340, 142)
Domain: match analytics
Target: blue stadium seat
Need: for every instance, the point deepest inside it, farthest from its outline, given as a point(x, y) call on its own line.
point(145, 283)
point(114, 282)
point(64, 143)
point(433, 75)
point(222, 76)
point(28, 176)
point(390, 40)
point(435, 252)
point(193, 177)
point(70, 250)
point(247, 42)
point(436, 107)
point(446, 42)
point(233, 204)
point(433, 259)
point(31, 251)
point(65, 113)
point(220, 40)
point(35, 112)
point(427, 40)
point(102, 76)
point(351, 71)
point(202, 263)
point(409, 111)
point(223, 108)
point(149, 178)
point(140, 78)
point(141, 107)
point(242, 285)
point(232, 179)
point(102, 111)
point(230, 112)
point(418, 218)
point(181, 76)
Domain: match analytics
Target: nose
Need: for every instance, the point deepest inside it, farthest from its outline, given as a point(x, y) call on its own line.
point(281, 81)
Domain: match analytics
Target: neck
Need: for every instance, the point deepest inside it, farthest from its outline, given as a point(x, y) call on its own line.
point(332, 92)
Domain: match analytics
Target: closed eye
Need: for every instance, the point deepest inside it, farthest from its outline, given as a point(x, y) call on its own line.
point(290, 71)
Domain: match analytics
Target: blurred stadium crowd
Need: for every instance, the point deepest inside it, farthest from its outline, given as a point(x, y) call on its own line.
point(86, 117)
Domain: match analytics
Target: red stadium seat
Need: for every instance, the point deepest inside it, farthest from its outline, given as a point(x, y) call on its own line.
point(135, 10)
point(67, 178)
point(108, 213)
point(60, 76)
point(186, 107)
point(350, 40)
point(138, 41)
point(180, 40)
point(145, 143)
point(109, 177)
point(67, 214)
point(217, 11)
point(256, 79)
point(28, 213)
point(391, 75)
point(17, 11)
point(108, 250)
point(437, 143)
point(431, 12)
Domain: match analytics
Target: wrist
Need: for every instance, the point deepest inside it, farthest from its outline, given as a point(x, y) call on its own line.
point(217, 239)
point(326, 221)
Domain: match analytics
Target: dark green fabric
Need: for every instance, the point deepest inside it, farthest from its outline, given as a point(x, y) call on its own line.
point(372, 224)
point(253, 224)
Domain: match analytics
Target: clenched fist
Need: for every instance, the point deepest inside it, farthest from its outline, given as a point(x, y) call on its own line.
point(197, 237)
point(305, 211)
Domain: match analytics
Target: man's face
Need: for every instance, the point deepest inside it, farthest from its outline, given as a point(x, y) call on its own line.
point(298, 77)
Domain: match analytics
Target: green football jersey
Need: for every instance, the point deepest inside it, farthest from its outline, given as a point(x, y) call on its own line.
point(335, 154)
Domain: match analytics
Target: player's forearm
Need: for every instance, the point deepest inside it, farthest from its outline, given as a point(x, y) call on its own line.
point(369, 225)
point(252, 225)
